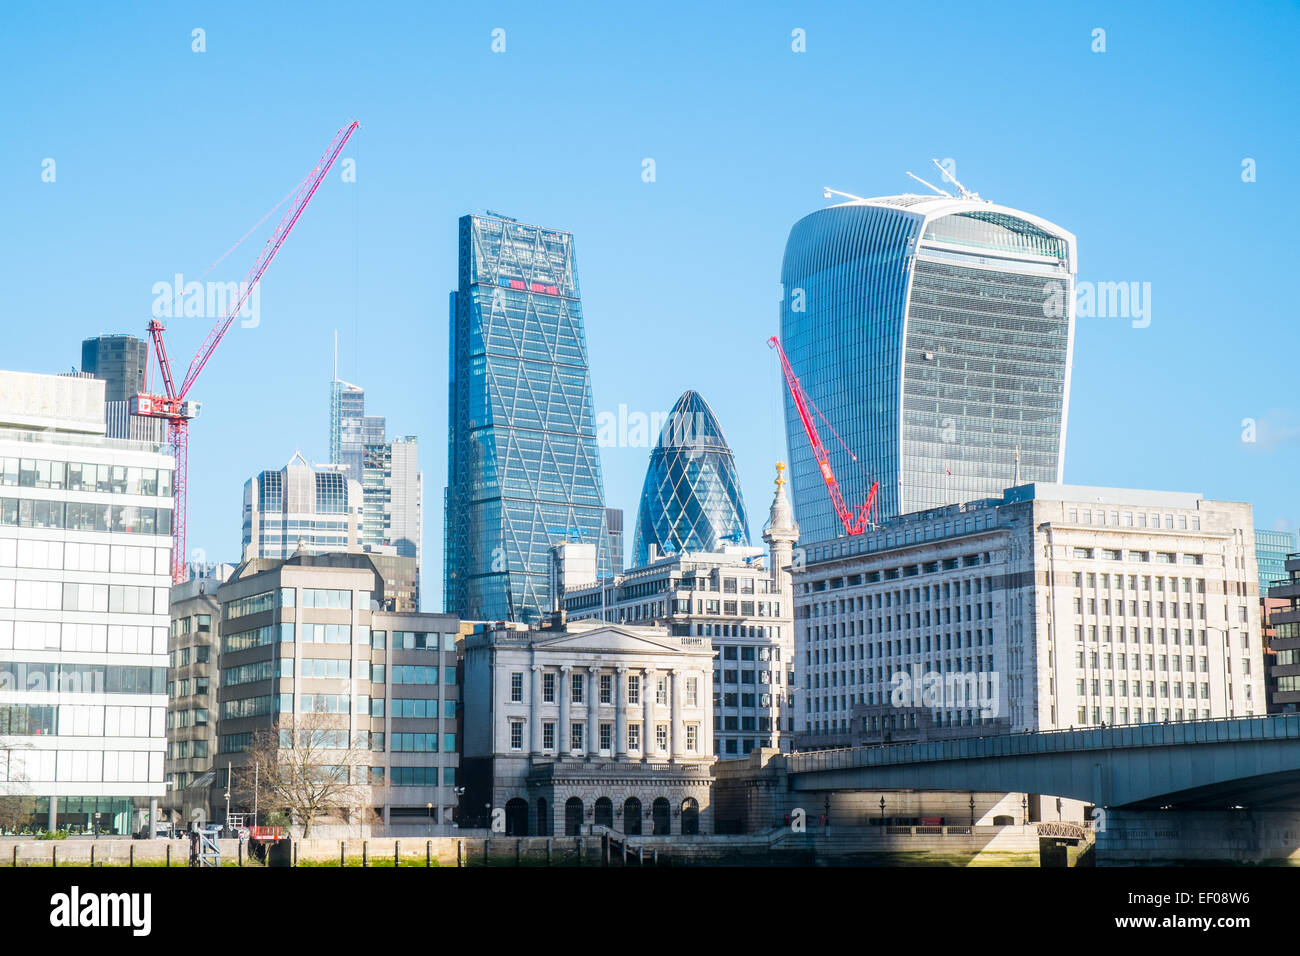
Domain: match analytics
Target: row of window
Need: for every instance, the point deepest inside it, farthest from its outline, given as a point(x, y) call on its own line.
point(91, 638)
point(78, 556)
point(42, 677)
point(578, 730)
point(81, 476)
point(79, 720)
point(99, 598)
point(80, 516)
point(577, 688)
point(1126, 519)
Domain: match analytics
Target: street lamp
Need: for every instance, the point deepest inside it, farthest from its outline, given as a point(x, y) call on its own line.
point(1024, 809)
point(972, 809)
point(429, 807)
point(882, 810)
point(96, 825)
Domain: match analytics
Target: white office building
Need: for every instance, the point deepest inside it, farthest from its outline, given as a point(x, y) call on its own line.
point(85, 553)
point(313, 509)
point(1054, 606)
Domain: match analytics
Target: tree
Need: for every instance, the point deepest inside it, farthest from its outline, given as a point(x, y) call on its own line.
point(17, 805)
point(308, 767)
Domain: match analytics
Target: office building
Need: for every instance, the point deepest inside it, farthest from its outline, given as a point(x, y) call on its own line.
point(935, 337)
point(392, 487)
point(85, 558)
point(691, 498)
point(740, 601)
point(351, 429)
point(589, 724)
point(523, 464)
point(1052, 606)
point(1271, 551)
point(305, 636)
point(1285, 619)
point(193, 667)
point(301, 507)
point(120, 360)
point(614, 521)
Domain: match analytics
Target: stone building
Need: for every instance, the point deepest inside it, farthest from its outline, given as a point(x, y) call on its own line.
point(589, 724)
point(741, 601)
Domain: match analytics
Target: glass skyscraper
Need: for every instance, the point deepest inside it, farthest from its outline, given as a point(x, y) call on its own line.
point(934, 335)
point(523, 465)
point(1271, 550)
point(691, 499)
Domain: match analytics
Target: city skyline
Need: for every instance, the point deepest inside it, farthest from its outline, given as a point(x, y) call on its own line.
point(1162, 427)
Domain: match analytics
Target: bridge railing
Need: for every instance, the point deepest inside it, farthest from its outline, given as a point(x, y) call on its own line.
point(1211, 730)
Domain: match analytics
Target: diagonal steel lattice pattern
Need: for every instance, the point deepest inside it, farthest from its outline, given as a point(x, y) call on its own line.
point(524, 468)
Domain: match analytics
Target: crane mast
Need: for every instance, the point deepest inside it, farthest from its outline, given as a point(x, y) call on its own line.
point(854, 522)
point(172, 404)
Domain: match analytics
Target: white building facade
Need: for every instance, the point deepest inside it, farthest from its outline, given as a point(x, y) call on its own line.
point(85, 553)
point(596, 724)
point(1055, 606)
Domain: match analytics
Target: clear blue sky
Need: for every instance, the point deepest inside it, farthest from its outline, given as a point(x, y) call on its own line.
point(165, 156)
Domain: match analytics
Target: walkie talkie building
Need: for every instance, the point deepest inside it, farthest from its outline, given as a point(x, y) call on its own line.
point(935, 336)
point(523, 465)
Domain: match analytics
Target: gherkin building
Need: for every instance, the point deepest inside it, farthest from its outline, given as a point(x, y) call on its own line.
point(691, 499)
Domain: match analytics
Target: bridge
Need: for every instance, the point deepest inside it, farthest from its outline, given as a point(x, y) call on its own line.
point(1251, 762)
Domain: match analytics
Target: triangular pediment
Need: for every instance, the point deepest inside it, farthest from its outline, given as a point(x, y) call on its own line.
point(611, 637)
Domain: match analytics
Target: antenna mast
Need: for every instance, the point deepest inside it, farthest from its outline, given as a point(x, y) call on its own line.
point(965, 193)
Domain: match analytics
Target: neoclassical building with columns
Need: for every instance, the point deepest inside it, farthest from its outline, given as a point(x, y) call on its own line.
point(587, 724)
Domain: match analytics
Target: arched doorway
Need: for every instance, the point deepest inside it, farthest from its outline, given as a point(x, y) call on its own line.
point(517, 817)
point(690, 817)
point(660, 817)
point(572, 816)
point(543, 818)
point(632, 816)
point(604, 812)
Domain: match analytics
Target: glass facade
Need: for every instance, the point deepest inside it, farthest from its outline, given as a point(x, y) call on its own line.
point(1271, 549)
point(691, 499)
point(934, 336)
point(523, 465)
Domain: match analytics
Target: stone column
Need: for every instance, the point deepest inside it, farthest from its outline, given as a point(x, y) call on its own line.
point(676, 730)
point(620, 711)
point(705, 687)
point(648, 721)
point(565, 690)
point(593, 719)
point(535, 712)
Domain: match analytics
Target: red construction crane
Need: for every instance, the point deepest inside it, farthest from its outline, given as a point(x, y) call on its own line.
point(853, 523)
point(172, 404)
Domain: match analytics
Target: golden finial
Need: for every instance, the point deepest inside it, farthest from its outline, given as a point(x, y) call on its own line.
point(780, 473)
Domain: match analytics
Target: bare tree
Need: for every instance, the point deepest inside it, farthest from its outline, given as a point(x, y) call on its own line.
point(17, 805)
point(309, 768)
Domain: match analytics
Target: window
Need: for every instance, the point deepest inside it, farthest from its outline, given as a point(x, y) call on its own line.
point(516, 735)
point(517, 688)
point(692, 691)
point(575, 736)
point(575, 689)
point(661, 737)
point(548, 687)
point(606, 736)
point(661, 691)
point(634, 737)
point(692, 737)
point(634, 690)
point(548, 735)
point(606, 693)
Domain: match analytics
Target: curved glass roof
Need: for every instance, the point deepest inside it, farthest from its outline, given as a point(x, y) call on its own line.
point(691, 499)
